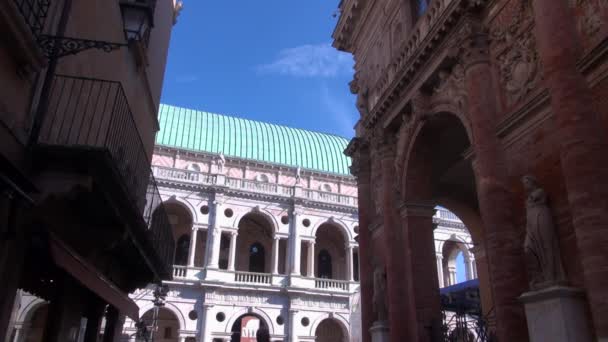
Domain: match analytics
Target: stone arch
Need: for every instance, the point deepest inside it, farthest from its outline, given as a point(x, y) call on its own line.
point(342, 322)
point(267, 215)
point(190, 209)
point(250, 311)
point(27, 312)
point(169, 306)
point(346, 232)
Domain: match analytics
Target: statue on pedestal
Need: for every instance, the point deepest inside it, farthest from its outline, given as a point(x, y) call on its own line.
point(221, 161)
point(541, 246)
point(379, 300)
point(298, 175)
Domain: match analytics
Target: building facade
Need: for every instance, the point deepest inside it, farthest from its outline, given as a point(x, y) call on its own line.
point(265, 219)
point(495, 110)
point(80, 86)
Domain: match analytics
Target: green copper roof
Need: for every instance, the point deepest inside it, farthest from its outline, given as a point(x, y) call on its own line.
point(213, 133)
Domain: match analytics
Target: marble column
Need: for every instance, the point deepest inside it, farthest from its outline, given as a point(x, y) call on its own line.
point(207, 323)
point(583, 145)
point(17, 337)
point(452, 274)
point(440, 270)
point(502, 236)
point(398, 260)
point(232, 251)
point(417, 223)
point(311, 259)
point(361, 167)
point(275, 254)
point(470, 272)
point(295, 244)
point(349, 264)
point(214, 238)
point(192, 250)
point(293, 337)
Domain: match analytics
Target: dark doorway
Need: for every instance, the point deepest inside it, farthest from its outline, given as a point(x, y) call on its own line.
point(181, 250)
point(324, 262)
point(257, 258)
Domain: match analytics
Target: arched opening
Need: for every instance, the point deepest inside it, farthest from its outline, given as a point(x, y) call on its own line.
point(257, 258)
point(181, 222)
point(447, 179)
point(247, 326)
point(33, 326)
point(329, 330)
point(181, 250)
point(167, 325)
point(254, 243)
point(324, 262)
point(331, 253)
point(457, 262)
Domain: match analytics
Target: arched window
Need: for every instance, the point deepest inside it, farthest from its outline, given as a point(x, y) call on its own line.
point(324, 264)
point(262, 178)
point(194, 167)
point(256, 258)
point(181, 250)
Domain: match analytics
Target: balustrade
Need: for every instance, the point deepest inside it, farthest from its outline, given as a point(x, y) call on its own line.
point(180, 271)
point(252, 277)
point(331, 284)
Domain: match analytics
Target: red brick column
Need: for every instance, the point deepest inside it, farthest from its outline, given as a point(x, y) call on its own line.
point(583, 148)
point(361, 169)
point(401, 309)
point(503, 243)
point(417, 223)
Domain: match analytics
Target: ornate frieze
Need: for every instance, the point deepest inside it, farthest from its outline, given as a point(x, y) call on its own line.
point(450, 88)
point(589, 16)
point(241, 298)
point(514, 47)
point(317, 302)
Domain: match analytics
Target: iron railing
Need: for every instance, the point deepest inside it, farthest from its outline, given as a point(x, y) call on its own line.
point(94, 115)
point(34, 12)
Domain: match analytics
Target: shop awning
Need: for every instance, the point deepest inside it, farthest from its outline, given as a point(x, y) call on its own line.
point(90, 278)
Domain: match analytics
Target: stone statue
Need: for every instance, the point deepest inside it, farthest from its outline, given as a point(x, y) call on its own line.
point(541, 246)
point(379, 299)
point(221, 161)
point(298, 175)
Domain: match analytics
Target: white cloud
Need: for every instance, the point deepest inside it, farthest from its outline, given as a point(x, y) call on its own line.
point(341, 110)
point(320, 60)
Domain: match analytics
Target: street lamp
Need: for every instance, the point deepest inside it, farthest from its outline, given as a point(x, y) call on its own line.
point(160, 295)
point(138, 19)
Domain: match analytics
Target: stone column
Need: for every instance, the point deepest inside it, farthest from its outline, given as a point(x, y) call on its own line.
point(583, 146)
point(293, 336)
point(452, 274)
point(502, 238)
point(358, 149)
point(349, 264)
point(470, 272)
point(232, 251)
point(401, 306)
point(417, 220)
point(214, 238)
point(440, 270)
point(17, 337)
point(114, 322)
point(311, 259)
point(207, 323)
point(192, 250)
point(275, 255)
point(295, 244)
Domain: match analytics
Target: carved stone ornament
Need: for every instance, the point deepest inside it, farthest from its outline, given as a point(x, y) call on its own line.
point(541, 247)
point(515, 48)
point(590, 20)
point(379, 300)
point(450, 88)
point(357, 87)
point(471, 43)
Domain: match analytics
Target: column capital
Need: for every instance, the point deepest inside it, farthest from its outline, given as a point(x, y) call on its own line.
point(472, 43)
point(234, 233)
point(416, 209)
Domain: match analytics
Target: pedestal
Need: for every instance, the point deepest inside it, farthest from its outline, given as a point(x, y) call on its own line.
point(379, 332)
point(557, 314)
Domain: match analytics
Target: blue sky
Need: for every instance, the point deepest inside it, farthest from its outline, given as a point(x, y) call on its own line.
point(268, 60)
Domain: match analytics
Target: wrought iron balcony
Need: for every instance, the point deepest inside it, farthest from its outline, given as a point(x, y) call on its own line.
point(91, 118)
point(34, 13)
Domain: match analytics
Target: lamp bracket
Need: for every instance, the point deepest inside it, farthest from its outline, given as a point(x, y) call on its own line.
point(55, 46)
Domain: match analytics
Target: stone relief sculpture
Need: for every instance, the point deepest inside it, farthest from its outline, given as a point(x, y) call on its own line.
point(541, 246)
point(379, 300)
point(362, 93)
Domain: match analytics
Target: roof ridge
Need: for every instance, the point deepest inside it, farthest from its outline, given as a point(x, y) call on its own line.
point(236, 116)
